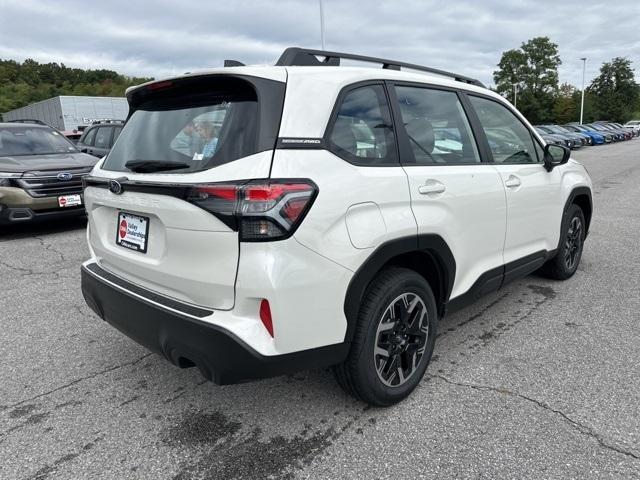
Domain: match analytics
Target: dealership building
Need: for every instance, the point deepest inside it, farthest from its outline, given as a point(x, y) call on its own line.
point(70, 112)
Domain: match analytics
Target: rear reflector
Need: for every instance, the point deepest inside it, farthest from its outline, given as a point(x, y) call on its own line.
point(265, 316)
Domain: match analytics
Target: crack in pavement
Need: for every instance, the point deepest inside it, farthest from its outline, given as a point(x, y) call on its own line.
point(23, 271)
point(27, 272)
point(50, 247)
point(473, 317)
point(77, 380)
point(585, 430)
point(44, 472)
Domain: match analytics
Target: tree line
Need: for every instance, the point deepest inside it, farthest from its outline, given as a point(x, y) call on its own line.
point(613, 95)
point(30, 81)
point(533, 68)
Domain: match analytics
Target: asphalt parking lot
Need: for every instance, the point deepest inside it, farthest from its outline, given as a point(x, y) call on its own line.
point(540, 380)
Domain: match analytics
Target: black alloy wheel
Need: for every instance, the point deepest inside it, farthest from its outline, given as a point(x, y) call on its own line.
point(401, 339)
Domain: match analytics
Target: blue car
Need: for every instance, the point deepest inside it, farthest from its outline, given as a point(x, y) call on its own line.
point(597, 138)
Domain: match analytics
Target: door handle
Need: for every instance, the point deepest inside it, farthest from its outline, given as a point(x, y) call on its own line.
point(512, 182)
point(432, 186)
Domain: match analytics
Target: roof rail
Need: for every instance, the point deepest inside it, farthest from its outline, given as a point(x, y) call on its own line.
point(28, 120)
point(307, 57)
point(105, 120)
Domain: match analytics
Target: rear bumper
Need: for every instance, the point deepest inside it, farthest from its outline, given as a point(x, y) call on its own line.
point(186, 341)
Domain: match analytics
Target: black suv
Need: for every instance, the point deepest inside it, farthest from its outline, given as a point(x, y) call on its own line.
point(40, 173)
point(98, 139)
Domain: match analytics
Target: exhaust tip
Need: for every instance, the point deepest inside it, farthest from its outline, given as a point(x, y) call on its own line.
point(182, 359)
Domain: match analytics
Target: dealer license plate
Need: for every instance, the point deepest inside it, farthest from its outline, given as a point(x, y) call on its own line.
point(69, 201)
point(132, 232)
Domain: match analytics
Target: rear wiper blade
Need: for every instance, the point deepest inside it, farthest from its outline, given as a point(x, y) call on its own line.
point(149, 166)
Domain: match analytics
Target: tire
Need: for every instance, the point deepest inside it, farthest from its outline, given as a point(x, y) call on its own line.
point(567, 259)
point(390, 318)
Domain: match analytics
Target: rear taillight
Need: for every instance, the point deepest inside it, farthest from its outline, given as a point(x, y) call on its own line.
point(261, 210)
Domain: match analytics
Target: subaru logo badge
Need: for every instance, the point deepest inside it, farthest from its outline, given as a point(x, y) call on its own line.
point(65, 176)
point(115, 187)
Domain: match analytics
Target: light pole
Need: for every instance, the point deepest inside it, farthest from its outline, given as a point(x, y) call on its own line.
point(584, 66)
point(321, 24)
point(515, 95)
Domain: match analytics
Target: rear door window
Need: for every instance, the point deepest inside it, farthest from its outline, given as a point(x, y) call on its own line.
point(437, 126)
point(103, 137)
point(362, 132)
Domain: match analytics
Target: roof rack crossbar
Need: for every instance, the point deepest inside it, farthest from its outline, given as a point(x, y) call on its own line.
point(106, 120)
point(295, 56)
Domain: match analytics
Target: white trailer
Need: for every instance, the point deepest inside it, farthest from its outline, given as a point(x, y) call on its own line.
point(70, 112)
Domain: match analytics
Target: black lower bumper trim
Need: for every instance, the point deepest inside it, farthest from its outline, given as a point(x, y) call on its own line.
point(9, 215)
point(219, 354)
point(154, 297)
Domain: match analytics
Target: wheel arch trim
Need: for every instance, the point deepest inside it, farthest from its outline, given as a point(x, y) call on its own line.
point(431, 244)
point(575, 193)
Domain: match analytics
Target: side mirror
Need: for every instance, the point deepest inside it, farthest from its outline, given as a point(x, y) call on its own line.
point(555, 155)
point(84, 150)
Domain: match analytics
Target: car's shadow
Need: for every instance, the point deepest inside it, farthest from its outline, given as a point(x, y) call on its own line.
point(26, 230)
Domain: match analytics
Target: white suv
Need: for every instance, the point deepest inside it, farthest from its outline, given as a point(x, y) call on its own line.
point(255, 221)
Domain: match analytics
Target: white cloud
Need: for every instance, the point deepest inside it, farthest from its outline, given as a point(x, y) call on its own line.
point(163, 38)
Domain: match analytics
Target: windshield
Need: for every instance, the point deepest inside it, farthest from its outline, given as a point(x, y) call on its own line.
point(556, 129)
point(32, 140)
point(542, 130)
point(182, 136)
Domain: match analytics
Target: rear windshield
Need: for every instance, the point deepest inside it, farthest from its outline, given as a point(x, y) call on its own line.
point(197, 128)
point(27, 140)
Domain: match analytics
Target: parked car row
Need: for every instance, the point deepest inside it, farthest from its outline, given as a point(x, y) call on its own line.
point(576, 135)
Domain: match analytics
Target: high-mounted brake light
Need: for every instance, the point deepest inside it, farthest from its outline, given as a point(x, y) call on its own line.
point(159, 85)
point(260, 210)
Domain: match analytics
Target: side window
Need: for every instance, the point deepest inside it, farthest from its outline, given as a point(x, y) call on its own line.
point(436, 125)
point(539, 151)
point(103, 137)
point(509, 140)
point(116, 134)
point(363, 132)
point(89, 137)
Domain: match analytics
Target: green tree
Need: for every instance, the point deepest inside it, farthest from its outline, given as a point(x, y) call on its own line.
point(615, 91)
point(30, 81)
point(533, 68)
point(564, 108)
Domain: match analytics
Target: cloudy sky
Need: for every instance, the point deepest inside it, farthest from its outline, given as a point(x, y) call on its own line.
point(160, 37)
